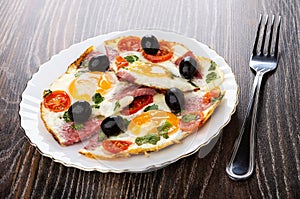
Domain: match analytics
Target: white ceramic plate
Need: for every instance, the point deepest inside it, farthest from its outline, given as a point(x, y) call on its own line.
point(69, 156)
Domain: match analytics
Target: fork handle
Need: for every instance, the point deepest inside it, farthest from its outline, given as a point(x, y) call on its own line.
point(241, 163)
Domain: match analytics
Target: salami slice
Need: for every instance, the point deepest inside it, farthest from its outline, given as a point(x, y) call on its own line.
point(74, 133)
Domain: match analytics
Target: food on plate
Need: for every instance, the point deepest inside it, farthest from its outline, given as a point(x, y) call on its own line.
point(142, 94)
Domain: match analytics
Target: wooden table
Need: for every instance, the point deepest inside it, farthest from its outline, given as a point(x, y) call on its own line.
point(32, 31)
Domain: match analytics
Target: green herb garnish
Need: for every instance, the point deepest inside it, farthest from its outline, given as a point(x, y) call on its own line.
point(213, 66)
point(117, 105)
point(151, 107)
point(97, 99)
point(165, 127)
point(67, 117)
point(131, 58)
point(101, 136)
point(150, 138)
point(164, 135)
point(213, 100)
point(77, 127)
point(188, 117)
point(211, 76)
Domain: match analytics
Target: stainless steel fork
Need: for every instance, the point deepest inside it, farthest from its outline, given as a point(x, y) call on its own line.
point(241, 163)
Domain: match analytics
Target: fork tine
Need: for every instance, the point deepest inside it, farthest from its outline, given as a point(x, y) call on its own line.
point(277, 38)
point(264, 36)
point(271, 37)
point(257, 36)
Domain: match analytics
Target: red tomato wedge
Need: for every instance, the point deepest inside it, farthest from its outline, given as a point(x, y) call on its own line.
point(214, 93)
point(115, 146)
point(130, 43)
point(137, 104)
point(164, 53)
point(57, 101)
point(160, 56)
point(206, 98)
point(121, 62)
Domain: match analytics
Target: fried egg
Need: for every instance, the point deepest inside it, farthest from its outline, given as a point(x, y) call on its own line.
point(155, 75)
point(149, 122)
point(87, 84)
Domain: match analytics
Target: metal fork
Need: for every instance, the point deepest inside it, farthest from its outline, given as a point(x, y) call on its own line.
point(241, 163)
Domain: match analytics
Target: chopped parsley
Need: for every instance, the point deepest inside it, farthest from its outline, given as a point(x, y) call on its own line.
point(213, 66)
point(97, 99)
point(131, 58)
point(211, 77)
point(101, 136)
point(151, 107)
point(213, 100)
point(117, 105)
point(164, 129)
point(150, 138)
point(164, 135)
point(67, 117)
point(188, 117)
point(77, 127)
point(153, 138)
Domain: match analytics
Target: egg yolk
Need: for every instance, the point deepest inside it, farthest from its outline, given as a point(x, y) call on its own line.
point(87, 84)
point(151, 121)
point(147, 69)
point(105, 83)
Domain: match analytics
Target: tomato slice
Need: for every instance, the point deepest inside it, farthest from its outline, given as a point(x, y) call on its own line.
point(161, 56)
point(115, 146)
point(121, 62)
point(206, 98)
point(164, 53)
point(191, 121)
point(57, 101)
point(137, 104)
point(130, 43)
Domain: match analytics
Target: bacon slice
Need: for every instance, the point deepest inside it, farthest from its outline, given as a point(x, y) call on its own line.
point(134, 91)
point(124, 75)
point(93, 143)
point(72, 136)
point(111, 53)
point(195, 104)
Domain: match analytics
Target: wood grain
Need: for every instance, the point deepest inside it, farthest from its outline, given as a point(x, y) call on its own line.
point(32, 31)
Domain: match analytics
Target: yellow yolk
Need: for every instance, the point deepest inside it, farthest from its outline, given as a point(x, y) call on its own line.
point(150, 70)
point(87, 84)
point(105, 83)
point(149, 122)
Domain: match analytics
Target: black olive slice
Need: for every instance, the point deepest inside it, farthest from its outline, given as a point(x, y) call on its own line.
point(188, 67)
point(112, 125)
point(99, 63)
point(80, 111)
point(175, 100)
point(150, 44)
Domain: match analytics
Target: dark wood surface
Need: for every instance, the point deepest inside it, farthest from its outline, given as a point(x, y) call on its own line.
point(32, 31)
